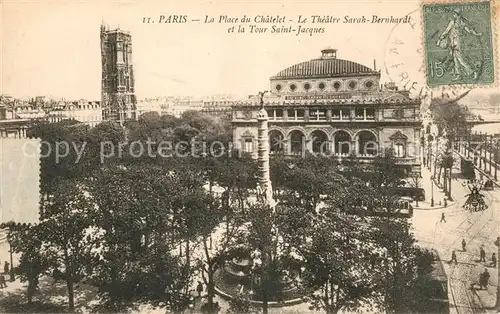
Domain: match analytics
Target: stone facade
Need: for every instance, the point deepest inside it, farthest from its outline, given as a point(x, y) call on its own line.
point(117, 86)
point(333, 107)
point(87, 112)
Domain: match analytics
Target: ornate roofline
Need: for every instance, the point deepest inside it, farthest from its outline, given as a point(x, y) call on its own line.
point(325, 67)
point(376, 101)
point(398, 136)
point(341, 75)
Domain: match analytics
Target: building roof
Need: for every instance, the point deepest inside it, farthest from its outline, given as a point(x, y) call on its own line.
point(381, 98)
point(328, 65)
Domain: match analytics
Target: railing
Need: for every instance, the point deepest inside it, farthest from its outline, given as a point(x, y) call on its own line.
point(481, 162)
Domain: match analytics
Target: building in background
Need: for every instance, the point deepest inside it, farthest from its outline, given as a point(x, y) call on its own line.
point(84, 111)
point(168, 105)
point(150, 105)
point(183, 104)
point(219, 106)
point(335, 107)
point(118, 98)
point(17, 115)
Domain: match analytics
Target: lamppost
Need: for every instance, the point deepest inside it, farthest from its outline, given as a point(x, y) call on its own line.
point(429, 151)
point(480, 149)
point(11, 269)
point(10, 225)
point(436, 156)
point(449, 183)
point(432, 191)
point(497, 243)
point(496, 158)
point(491, 153)
point(469, 131)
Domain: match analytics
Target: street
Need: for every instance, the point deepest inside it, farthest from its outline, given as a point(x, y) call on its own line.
point(476, 228)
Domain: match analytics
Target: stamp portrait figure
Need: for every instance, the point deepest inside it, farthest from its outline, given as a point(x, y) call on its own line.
point(458, 42)
point(451, 39)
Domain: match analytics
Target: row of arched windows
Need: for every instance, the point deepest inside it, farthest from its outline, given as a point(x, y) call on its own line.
point(365, 143)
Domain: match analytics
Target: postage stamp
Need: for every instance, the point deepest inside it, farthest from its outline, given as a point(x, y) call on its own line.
point(459, 43)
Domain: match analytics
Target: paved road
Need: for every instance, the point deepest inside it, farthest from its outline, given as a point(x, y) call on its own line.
point(477, 228)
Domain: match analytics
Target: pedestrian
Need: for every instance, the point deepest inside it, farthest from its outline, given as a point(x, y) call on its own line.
point(199, 289)
point(57, 275)
point(482, 255)
point(481, 280)
point(443, 218)
point(454, 257)
point(3, 284)
point(484, 278)
point(464, 248)
point(493, 260)
point(6, 267)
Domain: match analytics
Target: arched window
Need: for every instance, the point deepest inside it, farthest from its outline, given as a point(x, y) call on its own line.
point(276, 142)
point(367, 144)
point(342, 143)
point(320, 143)
point(296, 140)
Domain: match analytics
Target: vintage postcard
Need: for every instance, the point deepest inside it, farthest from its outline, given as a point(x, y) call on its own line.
point(249, 157)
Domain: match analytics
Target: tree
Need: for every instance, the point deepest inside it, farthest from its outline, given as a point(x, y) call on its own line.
point(416, 180)
point(141, 210)
point(241, 304)
point(27, 241)
point(390, 234)
point(452, 118)
point(73, 150)
point(261, 235)
point(211, 220)
point(237, 175)
point(169, 121)
point(337, 270)
point(69, 241)
point(420, 286)
point(57, 137)
point(446, 163)
point(306, 180)
point(199, 120)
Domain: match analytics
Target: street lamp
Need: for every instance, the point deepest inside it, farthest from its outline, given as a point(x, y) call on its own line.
point(496, 158)
point(10, 225)
point(11, 270)
point(436, 156)
point(432, 191)
point(497, 243)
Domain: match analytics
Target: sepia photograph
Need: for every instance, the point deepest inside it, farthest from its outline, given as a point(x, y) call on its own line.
point(238, 156)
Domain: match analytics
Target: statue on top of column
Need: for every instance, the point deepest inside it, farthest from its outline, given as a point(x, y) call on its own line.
point(261, 99)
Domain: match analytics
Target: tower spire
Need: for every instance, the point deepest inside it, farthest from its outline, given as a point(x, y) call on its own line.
point(103, 26)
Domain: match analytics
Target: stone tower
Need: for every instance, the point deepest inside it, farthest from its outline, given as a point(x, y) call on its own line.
point(118, 99)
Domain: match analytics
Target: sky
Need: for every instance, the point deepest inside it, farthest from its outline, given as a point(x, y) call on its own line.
point(53, 47)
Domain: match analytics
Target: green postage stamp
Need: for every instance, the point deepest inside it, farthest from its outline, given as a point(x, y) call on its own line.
point(458, 43)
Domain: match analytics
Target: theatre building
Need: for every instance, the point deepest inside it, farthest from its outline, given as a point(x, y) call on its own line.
point(335, 107)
